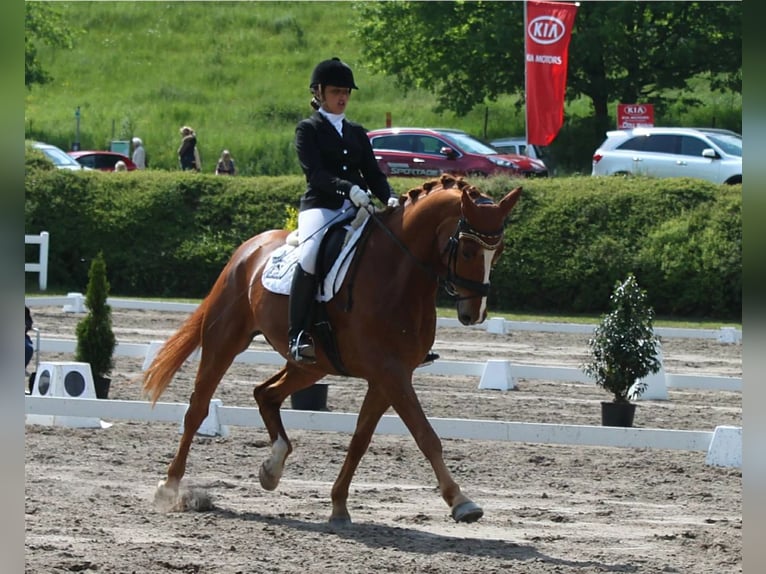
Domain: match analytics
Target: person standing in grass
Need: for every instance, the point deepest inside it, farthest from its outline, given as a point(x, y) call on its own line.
point(225, 165)
point(188, 156)
point(139, 153)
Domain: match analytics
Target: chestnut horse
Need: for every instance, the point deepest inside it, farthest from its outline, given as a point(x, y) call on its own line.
point(446, 231)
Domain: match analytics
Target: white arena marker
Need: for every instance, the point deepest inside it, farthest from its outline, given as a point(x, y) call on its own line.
point(65, 379)
point(496, 325)
point(656, 385)
point(211, 426)
point(725, 447)
point(497, 375)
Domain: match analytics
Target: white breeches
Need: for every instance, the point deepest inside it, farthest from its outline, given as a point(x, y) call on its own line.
point(311, 228)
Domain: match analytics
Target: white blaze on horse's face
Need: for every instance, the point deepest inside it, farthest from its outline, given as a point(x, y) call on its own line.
point(488, 256)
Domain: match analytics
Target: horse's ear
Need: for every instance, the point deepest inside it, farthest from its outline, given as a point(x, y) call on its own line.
point(510, 200)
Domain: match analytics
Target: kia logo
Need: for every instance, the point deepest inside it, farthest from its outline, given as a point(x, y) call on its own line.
point(546, 30)
point(635, 109)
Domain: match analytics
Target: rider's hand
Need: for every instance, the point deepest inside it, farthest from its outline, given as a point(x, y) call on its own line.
point(393, 201)
point(359, 197)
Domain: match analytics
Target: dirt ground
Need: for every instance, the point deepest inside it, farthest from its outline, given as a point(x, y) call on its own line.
point(548, 509)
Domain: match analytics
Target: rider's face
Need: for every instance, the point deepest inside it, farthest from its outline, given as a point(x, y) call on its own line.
point(335, 99)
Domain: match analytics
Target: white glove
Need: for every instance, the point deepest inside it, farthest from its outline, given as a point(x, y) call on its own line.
point(359, 197)
point(393, 201)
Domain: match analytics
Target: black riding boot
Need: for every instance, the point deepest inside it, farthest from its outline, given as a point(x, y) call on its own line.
point(302, 293)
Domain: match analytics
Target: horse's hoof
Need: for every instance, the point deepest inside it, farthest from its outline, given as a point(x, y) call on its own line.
point(340, 521)
point(467, 512)
point(268, 480)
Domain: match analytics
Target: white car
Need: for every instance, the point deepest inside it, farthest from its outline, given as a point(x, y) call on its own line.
point(60, 158)
point(705, 153)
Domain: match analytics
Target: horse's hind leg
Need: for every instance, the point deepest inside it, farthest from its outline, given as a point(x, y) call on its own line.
point(212, 367)
point(372, 409)
point(270, 395)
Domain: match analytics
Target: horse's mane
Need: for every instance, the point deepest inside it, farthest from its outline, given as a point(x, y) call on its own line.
point(445, 181)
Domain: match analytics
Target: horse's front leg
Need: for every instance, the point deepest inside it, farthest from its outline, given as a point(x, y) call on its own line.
point(406, 404)
point(270, 395)
point(373, 407)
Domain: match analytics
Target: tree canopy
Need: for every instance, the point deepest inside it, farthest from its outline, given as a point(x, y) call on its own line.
point(469, 52)
point(43, 23)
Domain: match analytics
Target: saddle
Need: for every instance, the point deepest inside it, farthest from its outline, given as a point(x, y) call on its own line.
point(336, 253)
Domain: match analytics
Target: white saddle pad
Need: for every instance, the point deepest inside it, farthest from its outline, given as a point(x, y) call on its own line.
point(280, 267)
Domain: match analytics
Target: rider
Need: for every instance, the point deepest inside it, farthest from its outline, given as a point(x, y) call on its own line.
point(337, 158)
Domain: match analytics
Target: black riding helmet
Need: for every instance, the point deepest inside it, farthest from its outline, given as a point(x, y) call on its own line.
point(333, 72)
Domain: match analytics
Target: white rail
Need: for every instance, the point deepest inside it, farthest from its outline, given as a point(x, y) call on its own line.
point(41, 267)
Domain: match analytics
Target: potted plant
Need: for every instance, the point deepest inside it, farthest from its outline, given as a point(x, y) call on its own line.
point(623, 350)
point(95, 338)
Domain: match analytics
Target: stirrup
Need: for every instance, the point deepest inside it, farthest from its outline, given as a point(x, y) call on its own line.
point(302, 348)
point(429, 360)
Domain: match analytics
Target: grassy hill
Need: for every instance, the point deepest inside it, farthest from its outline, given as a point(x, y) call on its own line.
point(237, 72)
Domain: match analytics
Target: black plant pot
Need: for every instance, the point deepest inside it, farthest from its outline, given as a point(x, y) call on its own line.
point(102, 387)
point(313, 398)
point(617, 414)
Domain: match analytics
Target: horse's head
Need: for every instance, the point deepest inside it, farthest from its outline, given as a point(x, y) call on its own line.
point(470, 242)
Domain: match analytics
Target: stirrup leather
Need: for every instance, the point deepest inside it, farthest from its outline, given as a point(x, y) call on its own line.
point(302, 348)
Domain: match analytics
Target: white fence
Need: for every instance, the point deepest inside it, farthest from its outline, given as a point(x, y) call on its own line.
point(723, 445)
point(41, 267)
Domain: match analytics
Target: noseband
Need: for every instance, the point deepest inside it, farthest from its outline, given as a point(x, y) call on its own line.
point(488, 241)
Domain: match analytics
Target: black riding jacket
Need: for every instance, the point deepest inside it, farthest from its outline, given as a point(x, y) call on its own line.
point(333, 165)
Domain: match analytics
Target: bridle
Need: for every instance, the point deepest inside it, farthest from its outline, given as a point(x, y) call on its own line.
point(489, 241)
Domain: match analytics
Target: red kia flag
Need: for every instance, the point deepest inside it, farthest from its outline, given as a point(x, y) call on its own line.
point(548, 27)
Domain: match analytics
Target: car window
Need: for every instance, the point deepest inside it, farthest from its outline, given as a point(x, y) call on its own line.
point(87, 161)
point(57, 156)
point(729, 143)
point(658, 143)
point(105, 161)
point(393, 142)
point(468, 143)
point(692, 146)
point(428, 144)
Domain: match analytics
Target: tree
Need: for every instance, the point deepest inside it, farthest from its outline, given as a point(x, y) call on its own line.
point(469, 52)
point(43, 23)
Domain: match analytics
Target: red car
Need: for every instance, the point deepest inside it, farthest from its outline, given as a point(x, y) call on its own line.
point(421, 152)
point(101, 159)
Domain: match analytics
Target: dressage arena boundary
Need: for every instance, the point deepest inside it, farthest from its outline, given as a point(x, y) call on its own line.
point(723, 445)
point(495, 374)
point(75, 302)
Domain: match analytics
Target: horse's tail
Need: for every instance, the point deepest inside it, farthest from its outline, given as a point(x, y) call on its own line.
point(173, 354)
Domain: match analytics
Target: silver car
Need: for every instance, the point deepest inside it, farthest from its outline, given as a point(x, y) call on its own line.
point(58, 156)
point(705, 153)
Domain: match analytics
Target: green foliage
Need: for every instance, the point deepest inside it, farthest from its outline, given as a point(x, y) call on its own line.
point(95, 338)
point(624, 348)
point(169, 234)
point(43, 25)
point(238, 73)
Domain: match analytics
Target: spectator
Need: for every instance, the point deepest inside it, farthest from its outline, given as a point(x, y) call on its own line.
point(225, 164)
point(188, 155)
point(29, 348)
point(120, 166)
point(139, 154)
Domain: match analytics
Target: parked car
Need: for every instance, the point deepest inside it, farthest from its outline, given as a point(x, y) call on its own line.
point(58, 156)
point(706, 153)
point(101, 159)
point(518, 146)
point(425, 152)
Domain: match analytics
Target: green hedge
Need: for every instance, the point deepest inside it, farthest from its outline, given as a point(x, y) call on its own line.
point(168, 234)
